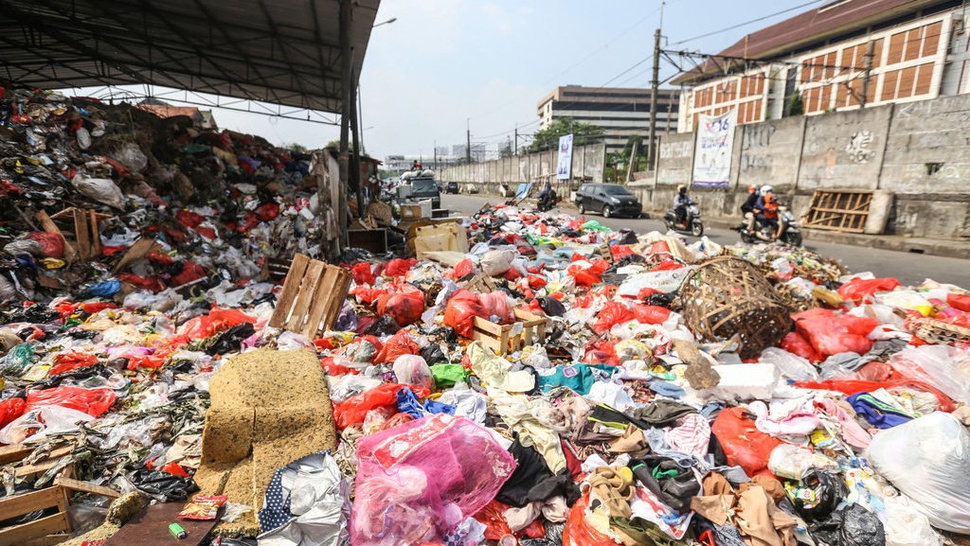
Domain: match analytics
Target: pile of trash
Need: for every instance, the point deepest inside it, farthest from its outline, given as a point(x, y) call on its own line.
point(558, 383)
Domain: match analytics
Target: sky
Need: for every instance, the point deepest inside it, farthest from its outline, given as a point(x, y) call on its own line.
point(447, 66)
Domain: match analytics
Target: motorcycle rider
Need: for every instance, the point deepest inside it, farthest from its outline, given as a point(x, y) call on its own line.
point(766, 209)
point(547, 197)
point(681, 201)
point(747, 208)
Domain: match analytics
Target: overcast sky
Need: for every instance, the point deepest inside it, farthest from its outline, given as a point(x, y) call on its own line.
point(447, 63)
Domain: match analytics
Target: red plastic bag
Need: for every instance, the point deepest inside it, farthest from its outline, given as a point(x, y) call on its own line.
point(859, 289)
point(404, 307)
point(461, 311)
point(601, 351)
point(620, 251)
point(363, 273)
point(497, 305)
point(650, 314)
point(667, 265)
point(743, 444)
point(51, 244)
point(66, 362)
point(398, 267)
point(796, 344)
point(835, 334)
point(11, 409)
point(353, 410)
point(958, 301)
point(145, 283)
point(191, 271)
point(613, 313)
point(188, 218)
point(93, 402)
point(588, 276)
point(216, 321)
point(578, 531)
point(464, 268)
point(368, 295)
point(399, 344)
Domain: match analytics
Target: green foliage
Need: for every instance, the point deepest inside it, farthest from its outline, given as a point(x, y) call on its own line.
point(548, 138)
point(795, 106)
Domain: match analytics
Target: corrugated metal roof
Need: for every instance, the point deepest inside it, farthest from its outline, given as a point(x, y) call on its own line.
point(278, 51)
point(813, 26)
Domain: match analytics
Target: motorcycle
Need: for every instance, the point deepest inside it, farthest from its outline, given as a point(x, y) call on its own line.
point(547, 204)
point(692, 224)
point(788, 231)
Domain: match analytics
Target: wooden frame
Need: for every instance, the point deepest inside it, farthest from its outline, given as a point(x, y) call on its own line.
point(312, 296)
point(843, 210)
point(509, 338)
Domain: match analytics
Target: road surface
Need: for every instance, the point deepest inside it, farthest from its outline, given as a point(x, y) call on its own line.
point(910, 269)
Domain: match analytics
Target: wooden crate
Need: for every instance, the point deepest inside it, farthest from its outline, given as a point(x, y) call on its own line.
point(528, 329)
point(842, 210)
point(87, 234)
point(372, 240)
point(312, 296)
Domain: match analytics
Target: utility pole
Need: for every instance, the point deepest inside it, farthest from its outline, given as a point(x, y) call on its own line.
point(865, 80)
point(468, 141)
point(654, 84)
point(515, 151)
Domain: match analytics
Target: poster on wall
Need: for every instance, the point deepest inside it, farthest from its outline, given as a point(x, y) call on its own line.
point(565, 157)
point(712, 155)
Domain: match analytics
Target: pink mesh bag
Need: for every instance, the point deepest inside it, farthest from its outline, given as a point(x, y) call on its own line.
point(417, 481)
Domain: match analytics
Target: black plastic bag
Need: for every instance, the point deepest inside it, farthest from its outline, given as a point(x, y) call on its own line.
point(231, 340)
point(156, 483)
point(851, 525)
point(672, 483)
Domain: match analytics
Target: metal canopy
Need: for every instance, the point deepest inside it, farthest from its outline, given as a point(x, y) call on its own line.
point(278, 51)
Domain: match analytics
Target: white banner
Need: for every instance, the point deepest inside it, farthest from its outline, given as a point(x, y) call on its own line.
point(565, 158)
point(712, 155)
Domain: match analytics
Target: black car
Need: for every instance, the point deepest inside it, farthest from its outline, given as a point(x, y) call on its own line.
point(451, 187)
point(609, 199)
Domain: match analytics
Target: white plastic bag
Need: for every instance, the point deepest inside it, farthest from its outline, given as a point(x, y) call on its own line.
point(946, 368)
point(102, 190)
point(38, 423)
point(928, 459)
point(906, 526)
point(793, 462)
point(792, 366)
point(413, 370)
point(497, 262)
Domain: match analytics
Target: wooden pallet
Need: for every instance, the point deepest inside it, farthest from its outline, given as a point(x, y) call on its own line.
point(312, 296)
point(528, 329)
point(86, 233)
point(842, 210)
point(51, 529)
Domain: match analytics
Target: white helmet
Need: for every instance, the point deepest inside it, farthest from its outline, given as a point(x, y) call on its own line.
point(766, 189)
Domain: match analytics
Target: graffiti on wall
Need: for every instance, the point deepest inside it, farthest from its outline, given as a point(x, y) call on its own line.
point(858, 147)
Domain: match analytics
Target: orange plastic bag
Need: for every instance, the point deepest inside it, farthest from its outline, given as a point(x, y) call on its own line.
point(743, 444)
point(650, 314)
point(578, 531)
point(66, 362)
point(859, 289)
point(353, 410)
point(93, 402)
point(613, 313)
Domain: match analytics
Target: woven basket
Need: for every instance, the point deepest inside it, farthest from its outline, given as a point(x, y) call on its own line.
point(938, 332)
point(727, 297)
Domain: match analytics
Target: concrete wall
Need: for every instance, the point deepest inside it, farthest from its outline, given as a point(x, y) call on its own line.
point(489, 176)
point(919, 152)
point(844, 149)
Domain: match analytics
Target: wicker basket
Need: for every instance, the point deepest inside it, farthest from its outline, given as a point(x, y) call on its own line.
point(727, 296)
point(938, 332)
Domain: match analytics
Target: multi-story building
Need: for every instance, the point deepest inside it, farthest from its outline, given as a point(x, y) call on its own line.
point(843, 55)
point(621, 112)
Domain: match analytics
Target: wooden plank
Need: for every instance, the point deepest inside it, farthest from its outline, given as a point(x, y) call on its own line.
point(16, 452)
point(301, 306)
point(86, 487)
point(336, 296)
point(48, 225)
point(29, 502)
point(284, 303)
point(81, 235)
point(136, 251)
point(488, 326)
point(150, 528)
point(94, 233)
point(321, 301)
point(18, 535)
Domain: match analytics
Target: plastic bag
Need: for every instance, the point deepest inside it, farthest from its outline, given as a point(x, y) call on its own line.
point(216, 321)
point(399, 267)
point(959, 301)
point(353, 410)
point(578, 531)
point(37, 423)
point(743, 444)
point(413, 370)
point(404, 307)
point(832, 334)
point(497, 306)
point(790, 365)
point(928, 459)
point(793, 462)
point(851, 525)
point(363, 273)
point(93, 402)
point(944, 367)
point(613, 313)
point(796, 344)
point(461, 311)
point(417, 481)
point(858, 289)
point(399, 344)
point(11, 409)
point(102, 190)
point(496, 262)
point(51, 244)
point(650, 314)
point(162, 485)
point(464, 268)
point(65, 362)
point(907, 526)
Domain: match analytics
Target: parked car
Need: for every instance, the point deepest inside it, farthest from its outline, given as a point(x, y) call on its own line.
point(451, 187)
point(608, 199)
point(425, 187)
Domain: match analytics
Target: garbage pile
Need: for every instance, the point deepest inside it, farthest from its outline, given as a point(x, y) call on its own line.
point(558, 383)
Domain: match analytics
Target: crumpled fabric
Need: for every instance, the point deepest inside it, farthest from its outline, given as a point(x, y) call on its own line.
point(488, 366)
point(691, 435)
point(517, 412)
point(750, 508)
point(467, 403)
point(851, 431)
point(553, 510)
point(662, 412)
point(306, 504)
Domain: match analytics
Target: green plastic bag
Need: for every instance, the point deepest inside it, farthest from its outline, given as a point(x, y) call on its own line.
point(446, 375)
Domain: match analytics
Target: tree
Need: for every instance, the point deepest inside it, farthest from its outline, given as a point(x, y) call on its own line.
point(505, 149)
point(795, 105)
point(295, 147)
point(548, 138)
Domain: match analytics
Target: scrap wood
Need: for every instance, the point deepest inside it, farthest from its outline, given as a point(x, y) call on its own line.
point(136, 251)
point(70, 253)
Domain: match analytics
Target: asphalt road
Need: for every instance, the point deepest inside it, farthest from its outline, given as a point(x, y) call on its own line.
point(910, 269)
